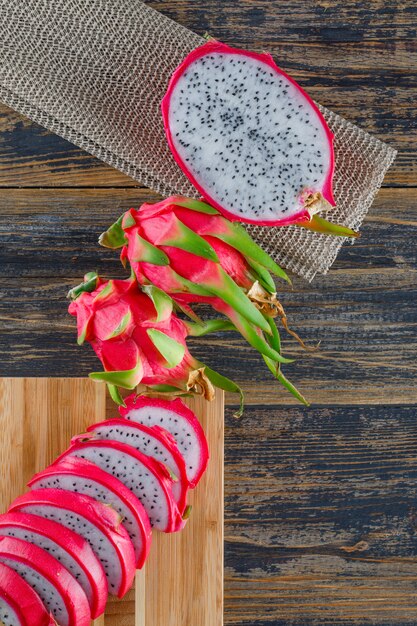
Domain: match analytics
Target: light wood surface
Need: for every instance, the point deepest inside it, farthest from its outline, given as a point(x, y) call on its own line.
point(182, 583)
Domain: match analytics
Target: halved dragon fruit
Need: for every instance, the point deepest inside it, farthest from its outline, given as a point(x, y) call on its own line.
point(148, 479)
point(248, 137)
point(175, 417)
point(68, 547)
point(97, 523)
point(61, 594)
point(20, 605)
point(153, 441)
point(81, 476)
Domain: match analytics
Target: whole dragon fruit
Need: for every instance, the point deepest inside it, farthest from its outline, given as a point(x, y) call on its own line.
point(139, 339)
point(191, 252)
point(250, 139)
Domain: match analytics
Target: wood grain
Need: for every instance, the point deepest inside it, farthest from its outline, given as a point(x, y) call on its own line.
point(320, 503)
point(38, 418)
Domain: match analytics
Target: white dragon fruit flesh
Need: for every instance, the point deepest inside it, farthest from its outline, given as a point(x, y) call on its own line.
point(248, 137)
point(176, 418)
point(57, 588)
point(152, 441)
point(95, 522)
point(81, 476)
point(148, 479)
point(67, 547)
point(20, 605)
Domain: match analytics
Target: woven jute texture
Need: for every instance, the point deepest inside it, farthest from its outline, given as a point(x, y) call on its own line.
point(95, 72)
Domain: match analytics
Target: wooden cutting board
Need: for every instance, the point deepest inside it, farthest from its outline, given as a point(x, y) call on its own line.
point(182, 582)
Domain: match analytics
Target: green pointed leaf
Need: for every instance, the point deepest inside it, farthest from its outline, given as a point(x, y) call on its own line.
point(320, 225)
point(148, 253)
point(81, 337)
point(107, 291)
point(128, 379)
point(230, 293)
point(220, 381)
point(114, 237)
point(172, 351)
point(274, 339)
point(162, 302)
point(128, 220)
point(257, 341)
point(237, 237)
point(277, 373)
point(262, 275)
point(195, 205)
point(186, 239)
point(210, 326)
point(115, 395)
point(88, 285)
point(121, 327)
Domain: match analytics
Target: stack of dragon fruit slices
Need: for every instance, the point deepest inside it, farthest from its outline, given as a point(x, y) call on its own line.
point(86, 524)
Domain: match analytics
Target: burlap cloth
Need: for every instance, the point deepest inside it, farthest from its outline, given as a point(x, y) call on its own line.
point(95, 71)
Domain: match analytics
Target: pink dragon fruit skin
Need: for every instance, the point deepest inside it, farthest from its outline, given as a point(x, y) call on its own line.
point(71, 550)
point(57, 588)
point(81, 476)
point(151, 441)
point(99, 524)
point(20, 605)
point(245, 137)
point(175, 417)
point(148, 479)
point(139, 339)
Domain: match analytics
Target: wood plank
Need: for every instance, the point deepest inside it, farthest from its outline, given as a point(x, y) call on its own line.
point(38, 418)
point(362, 311)
point(320, 516)
point(333, 21)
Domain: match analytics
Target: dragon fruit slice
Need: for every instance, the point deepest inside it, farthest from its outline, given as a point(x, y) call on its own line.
point(177, 419)
point(57, 588)
point(148, 479)
point(97, 523)
point(20, 605)
point(154, 442)
point(248, 137)
point(67, 547)
point(81, 476)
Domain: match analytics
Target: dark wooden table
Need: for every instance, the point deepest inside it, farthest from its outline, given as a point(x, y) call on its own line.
point(321, 508)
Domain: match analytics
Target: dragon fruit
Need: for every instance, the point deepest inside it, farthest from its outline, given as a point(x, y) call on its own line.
point(140, 340)
point(249, 138)
point(176, 418)
point(154, 442)
point(191, 252)
point(20, 605)
point(148, 479)
point(71, 550)
point(81, 476)
point(97, 523)
point(57, 588)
